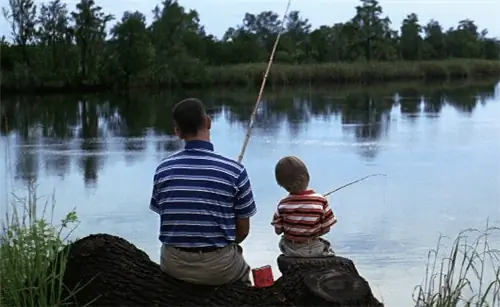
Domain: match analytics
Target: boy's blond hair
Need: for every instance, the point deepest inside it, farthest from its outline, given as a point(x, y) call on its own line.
point(291, 174)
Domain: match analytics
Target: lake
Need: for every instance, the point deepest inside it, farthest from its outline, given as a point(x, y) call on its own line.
point(438, 144)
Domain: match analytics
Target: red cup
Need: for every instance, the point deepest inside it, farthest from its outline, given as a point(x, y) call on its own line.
point(263, 277)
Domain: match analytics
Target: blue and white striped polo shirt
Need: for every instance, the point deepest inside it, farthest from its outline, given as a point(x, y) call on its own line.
point(198, 195)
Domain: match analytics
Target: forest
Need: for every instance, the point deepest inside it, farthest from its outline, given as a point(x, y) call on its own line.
point(54, 47)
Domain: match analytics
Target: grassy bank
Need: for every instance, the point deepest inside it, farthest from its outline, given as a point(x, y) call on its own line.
point(250, 75)
point(468, 275)
point(29, 241)
point(340, 73)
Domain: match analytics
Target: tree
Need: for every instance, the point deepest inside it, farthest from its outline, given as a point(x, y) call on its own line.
point(133, 45)
point(434, 41)
point(173, 30)
point(54, 31)
point(90, 25)
point(411, 41)
point(373, 29)
point(22, 19)
point(463, 41)
point(296, 41)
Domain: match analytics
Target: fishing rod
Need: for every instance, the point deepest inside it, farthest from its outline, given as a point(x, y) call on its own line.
point(257, 103)
point(259, 97)
point(352, 182)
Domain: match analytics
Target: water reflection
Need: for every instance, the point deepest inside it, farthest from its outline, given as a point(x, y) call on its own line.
point(51, 132)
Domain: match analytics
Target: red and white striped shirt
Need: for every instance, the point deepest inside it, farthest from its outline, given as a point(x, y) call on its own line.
point(304, 216)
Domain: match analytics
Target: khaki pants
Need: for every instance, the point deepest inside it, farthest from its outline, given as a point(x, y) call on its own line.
point(313, 248)
point(223, 266)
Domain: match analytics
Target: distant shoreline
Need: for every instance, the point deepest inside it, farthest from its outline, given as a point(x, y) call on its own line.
point(250, 75)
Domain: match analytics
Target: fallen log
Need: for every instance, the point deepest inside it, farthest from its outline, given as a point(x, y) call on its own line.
point(106, 270)
point(331, 280)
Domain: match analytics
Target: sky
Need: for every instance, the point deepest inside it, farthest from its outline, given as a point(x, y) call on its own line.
point(218, 15)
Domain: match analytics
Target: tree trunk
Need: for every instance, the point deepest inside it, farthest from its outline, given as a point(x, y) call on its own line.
point(106, 270)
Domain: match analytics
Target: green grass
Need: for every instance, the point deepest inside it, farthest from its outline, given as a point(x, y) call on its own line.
point(469, 275)
point(30, 240)
point(251, 75)
point(335, 73)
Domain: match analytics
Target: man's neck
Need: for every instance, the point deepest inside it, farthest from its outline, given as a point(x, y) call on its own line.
point(200, 137)
point(196, 139)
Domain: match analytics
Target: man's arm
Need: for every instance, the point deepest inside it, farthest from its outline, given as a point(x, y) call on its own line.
point(328, 219)
point(153, 203)
point(244, 206)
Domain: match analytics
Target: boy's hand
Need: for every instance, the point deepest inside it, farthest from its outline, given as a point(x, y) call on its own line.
point(324, 231)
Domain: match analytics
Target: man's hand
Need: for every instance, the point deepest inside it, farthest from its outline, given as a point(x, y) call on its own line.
point(242, 229)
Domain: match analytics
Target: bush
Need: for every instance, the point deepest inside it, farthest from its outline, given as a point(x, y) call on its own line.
point(29, 245)
point(468, 276)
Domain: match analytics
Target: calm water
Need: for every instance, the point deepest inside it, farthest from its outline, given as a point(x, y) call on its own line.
point(440, 149)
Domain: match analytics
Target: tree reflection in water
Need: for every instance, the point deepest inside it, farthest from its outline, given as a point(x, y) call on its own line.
point(50, 132)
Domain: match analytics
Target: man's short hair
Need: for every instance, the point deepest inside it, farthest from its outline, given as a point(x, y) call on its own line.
point(189, 116)
point(291, 174)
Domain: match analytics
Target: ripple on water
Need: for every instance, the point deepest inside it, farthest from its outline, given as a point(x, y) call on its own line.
point(323, 143)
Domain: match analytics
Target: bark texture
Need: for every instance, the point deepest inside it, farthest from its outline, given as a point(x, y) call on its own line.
point(106, 270)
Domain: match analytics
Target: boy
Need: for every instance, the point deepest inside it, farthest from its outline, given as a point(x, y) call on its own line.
point(304, 215)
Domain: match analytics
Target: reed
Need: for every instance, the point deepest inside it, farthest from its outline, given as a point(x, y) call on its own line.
point(468, 275)
point(30, 243)
point(340, 73)
point(251, 75)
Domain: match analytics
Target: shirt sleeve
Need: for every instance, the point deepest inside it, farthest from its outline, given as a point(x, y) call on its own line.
point(328, 219)
point(153, 203)
point(244, 205)
point(277, 220)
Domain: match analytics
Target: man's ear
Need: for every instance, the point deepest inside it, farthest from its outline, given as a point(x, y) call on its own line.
point(208, 122)
point(177, 132)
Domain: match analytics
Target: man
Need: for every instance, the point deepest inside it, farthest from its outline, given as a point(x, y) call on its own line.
point(205, 202)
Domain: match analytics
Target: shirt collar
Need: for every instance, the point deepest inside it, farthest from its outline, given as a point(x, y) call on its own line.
point(199, 144)
point(306, 192)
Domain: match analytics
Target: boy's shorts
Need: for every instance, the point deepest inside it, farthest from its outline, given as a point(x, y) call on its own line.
point(312, 248)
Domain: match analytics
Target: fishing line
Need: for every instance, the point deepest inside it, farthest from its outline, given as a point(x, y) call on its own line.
point(257, 103)
point(353, 182)
point(259, 97)
point(385, 192)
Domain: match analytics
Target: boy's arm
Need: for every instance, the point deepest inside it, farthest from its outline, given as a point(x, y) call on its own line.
point(328, 219)
point(277, 223)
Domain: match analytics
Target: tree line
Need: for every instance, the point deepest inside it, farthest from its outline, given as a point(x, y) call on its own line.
point(52, 46)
